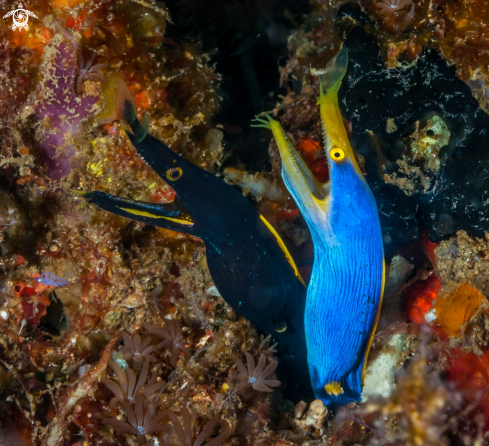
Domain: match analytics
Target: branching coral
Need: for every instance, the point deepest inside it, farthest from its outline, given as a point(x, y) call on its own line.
point(88, 71)
point(136, 350)
point(256, 379)
point(128, 391)
point(392, 6)
point(142, 421)
point(184, 433)
point(172, 335)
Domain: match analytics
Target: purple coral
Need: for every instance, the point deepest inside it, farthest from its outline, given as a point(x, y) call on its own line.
point(252, 378)
point(88, 71)
point(60, 112)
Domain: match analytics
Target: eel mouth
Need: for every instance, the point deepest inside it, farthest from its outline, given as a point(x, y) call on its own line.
point(294, 167)
point(305, 186)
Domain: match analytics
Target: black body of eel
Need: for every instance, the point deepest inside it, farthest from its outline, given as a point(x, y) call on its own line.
point(247, 260)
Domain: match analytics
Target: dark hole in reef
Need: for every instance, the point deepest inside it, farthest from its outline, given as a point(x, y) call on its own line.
point(362, 100)
point(175, 270)
point(430, 133)
point(53, 323)
point(251, 38)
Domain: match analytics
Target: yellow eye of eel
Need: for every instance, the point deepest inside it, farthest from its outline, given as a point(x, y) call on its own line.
point(337, 154)
point(174, 174)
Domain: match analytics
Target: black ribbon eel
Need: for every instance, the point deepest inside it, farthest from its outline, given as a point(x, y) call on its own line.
point(247, 260)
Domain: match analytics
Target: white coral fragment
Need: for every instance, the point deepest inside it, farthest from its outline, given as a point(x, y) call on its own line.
point(312, 421)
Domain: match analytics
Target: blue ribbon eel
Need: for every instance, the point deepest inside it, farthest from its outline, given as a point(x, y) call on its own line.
point(345, 291)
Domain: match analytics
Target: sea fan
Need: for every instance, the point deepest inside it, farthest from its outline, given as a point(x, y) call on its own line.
point(51, 280)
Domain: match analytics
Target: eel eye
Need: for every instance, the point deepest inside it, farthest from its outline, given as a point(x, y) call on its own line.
point(338, 155)
point(174, 173)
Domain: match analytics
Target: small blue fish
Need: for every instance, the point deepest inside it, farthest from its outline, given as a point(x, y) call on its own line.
point(347, 281)
point(51, 280)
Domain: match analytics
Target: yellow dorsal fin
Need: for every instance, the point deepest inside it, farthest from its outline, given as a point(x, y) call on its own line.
point(372, 334)
point(284, 249)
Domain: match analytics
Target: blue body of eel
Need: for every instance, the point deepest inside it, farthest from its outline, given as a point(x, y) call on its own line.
point(346, 286)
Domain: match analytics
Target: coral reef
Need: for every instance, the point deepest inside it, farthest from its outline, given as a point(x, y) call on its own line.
point(112, 331)
point(75, 283)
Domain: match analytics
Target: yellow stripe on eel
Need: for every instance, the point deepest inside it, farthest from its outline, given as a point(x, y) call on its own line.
point(149, 215)
point(283, 248)
point(374, 328)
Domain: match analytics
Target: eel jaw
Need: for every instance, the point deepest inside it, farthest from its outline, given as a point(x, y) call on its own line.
point(299, 180)
point(173, 215)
